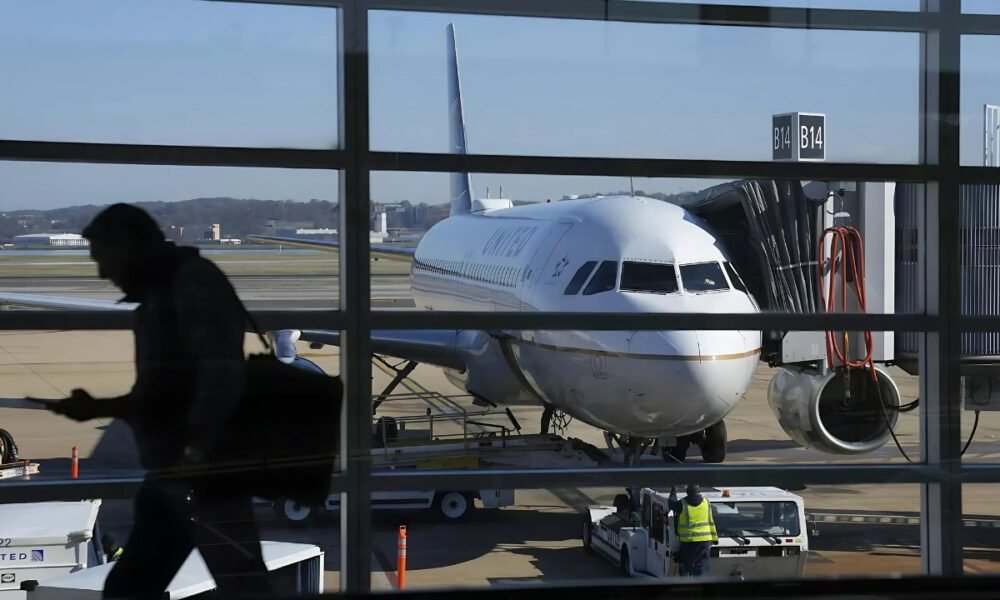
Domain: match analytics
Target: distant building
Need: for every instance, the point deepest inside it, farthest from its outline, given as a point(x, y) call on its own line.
point(214, 233)
point(286, 228)
point(175, 233)
point(221, 242)
point(68, 240)
point(315, 233)
point(327, 235)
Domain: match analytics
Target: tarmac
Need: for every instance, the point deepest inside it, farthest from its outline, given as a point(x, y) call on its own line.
point(864, 530)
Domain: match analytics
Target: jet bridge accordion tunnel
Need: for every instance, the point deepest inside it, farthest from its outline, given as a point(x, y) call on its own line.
point(784, 236)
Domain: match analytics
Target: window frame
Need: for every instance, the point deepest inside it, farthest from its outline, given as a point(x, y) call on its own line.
point(735, 279)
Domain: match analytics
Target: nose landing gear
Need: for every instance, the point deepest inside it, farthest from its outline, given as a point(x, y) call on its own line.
point(558, 420)
point(632, 447)
point(712, 442)
point(713, 448)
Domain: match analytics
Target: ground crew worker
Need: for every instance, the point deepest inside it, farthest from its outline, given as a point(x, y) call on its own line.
point(695, 531)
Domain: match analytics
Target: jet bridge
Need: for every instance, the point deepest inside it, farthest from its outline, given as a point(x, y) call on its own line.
point(783, 236)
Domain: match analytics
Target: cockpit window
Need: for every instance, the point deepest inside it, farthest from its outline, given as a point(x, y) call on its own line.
point(703, 277)
point(735, 278)
point(580, 277)
point(647, 277)
point(604, 278)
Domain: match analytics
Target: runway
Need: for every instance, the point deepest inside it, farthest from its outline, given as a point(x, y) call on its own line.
point(258, 292)
point(871, 529)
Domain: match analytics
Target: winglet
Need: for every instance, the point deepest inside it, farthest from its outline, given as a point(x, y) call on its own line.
point(461, 183)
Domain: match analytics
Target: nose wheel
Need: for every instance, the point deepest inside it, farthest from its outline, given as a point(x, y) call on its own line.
point(557, 420)
point(713, 448)
point(712, 442)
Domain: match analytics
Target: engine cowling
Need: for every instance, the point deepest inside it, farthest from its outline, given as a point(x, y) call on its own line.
point(490, 373)
point(814, 410)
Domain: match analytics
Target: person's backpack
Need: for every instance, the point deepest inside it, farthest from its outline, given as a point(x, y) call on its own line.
point(282, 441)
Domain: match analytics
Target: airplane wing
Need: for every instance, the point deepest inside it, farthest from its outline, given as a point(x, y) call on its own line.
point(62, 302)
point(428, 347)
point(378, 250)
point(432, 347)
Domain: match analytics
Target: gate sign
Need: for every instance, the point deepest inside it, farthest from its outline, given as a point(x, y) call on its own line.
point(798, 137)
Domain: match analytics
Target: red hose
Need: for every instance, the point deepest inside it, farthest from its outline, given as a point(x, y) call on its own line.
point(846, 249)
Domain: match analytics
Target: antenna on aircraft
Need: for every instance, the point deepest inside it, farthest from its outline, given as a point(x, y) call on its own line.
point(488, 192)
point(501, 191)
point(631, 184)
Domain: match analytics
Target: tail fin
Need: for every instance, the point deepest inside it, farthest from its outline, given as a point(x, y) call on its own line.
point(461, 183)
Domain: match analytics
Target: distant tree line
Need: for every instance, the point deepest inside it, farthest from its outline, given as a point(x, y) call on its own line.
point(238, 217)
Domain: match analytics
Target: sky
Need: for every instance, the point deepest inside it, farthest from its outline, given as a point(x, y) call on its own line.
point(215, 73)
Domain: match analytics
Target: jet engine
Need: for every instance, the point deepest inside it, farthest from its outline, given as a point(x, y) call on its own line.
point(491, 370)
point(837, 411)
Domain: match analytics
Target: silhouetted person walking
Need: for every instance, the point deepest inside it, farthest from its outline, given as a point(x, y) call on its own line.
point(189, 360)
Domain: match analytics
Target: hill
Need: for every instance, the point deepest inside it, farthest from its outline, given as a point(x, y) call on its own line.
point(187, 220)
point(238, 217)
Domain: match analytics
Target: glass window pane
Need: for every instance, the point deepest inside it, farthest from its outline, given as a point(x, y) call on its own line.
point(165, 72)
point(756, 519)
point(984, 7)
point(980, 97)
point(657, 531)
point(738, 220)
point(981, 520)
point(46, 205)
point(604, 278)
point(569, 87)
point(646, 277)
point(704, 277)
point(549, 537)
point(735, 278)
point(579, 278)
point(596, 381)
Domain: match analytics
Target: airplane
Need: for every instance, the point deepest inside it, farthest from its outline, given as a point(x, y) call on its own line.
point(625, 254)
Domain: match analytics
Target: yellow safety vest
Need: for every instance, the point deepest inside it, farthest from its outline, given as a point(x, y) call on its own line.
point(118, 554)
point(696, 523)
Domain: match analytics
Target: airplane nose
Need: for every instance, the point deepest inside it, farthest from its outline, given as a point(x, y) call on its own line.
point(665, 344)
point(726, 366)
point(703, 375)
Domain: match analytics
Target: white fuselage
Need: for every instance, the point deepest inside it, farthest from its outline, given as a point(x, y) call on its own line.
point(641, 383)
